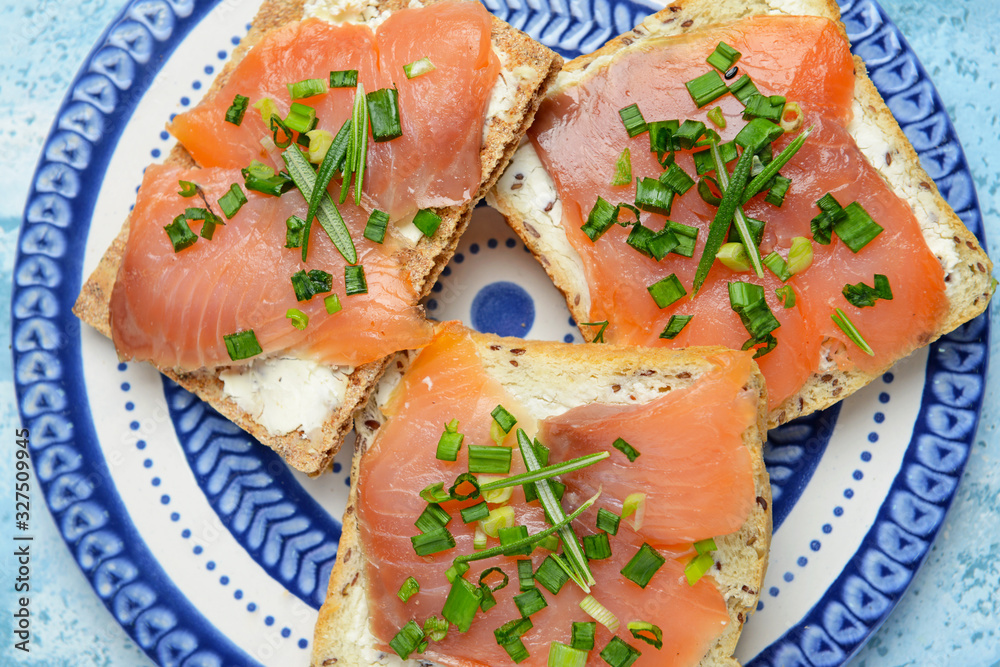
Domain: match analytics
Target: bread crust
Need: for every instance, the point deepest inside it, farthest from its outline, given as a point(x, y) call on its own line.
point(425, 260)
point(342, 636)
point(967, 280)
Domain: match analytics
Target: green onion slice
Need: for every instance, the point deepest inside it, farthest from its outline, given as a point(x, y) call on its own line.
point(512, 630)
point(551, 575)
point(628, 450)
point(475, 512)
point(743, 89)
point(653, 196)
point(242, 345)
point(189, 189)
point(236, 110)
point(294, 228)
point(623, 169)
point(494, 494)
point(635, 507)
point(503, 418)
point(734, 256)
point(515, 534)
point(705, 546)
point(677, 179)
point(776, 263)
point(863, 296)
point(455, 571)
point(779, 188)
point(435, 493)
point(841, 319)
point(408, 589)
point(724, 57)
point(499, 517)
point(278, 125)
point(232, 201)
point(689, 132)
point(418, 68)
point(354, 280)
point(599, 613)
point(675, 325)
point(433, 541)
point(427, 221)
point(786, 295)
point(383, 110)
point(561, 655)
point(764, 106)
point(180, 234)
point(407, 640)
point(462, 603)
point(666, 291)
point(332, 304)
point(716, 116)
point(530, 601)
point(488, 572)
point(583, 635)
point(597, 546)
point(435, 628)
point(489, 459)
point(706, 88)
point(376, 226)
point(433, 517)
point(306, 88)
point(647, 632)
point(465, 478)
point(600, 219)
point(450, 442)
point(857, 229)
point(347, 78)
point(697, 568)
point(747, 300)
point(800, 256)
point(643, 565)
point(301, 117)
point(632, 119)
point(608, 521)
point(299, 319)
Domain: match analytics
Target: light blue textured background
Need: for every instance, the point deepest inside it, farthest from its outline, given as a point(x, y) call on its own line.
point(951, 614)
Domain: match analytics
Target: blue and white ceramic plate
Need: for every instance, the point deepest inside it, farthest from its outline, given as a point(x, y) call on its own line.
point(209, 551)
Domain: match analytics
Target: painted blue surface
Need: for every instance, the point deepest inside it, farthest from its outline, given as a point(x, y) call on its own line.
point(952, 607)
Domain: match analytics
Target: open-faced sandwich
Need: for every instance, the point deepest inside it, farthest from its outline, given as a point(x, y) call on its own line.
point(727, 174)
point(541, 503)
point(277, 258)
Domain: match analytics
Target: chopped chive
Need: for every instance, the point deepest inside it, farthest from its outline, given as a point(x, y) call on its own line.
point(743, 89)
point(688, 133)
point(764, 106)
point(706, 88)
point(306, 88)
point(489, 600)
point(376, 226)
point(274, 185)
point(347, 78)
point(516, 650)
point(653, 196)
point(499, 517)
point(435, 628)
point(242, 345)
point(597, 546)
point(677, 179)
point(301, 117)
point(600, 219)
point(407, 640)
point(786, 295)
point(599, 613)
point(632, 119)
point(706, 545)
point(800, 256)
point(180, 234)
point(697, 568)
point(432, 542)
point(724, 57)
point(747, 300)
point(433, 517)
point(776, 193)
point(455, 571)
point(778, 266)
point(841, 319)
point(488, 572)
point(332, 304)
point(647, 632)
point(475, 512)
point(189, 189)
point(599, 338)
point(856, 229)
point(628, 450)
point(427, 221)
point(530, 602)
point(308, 285)
point(267, 108)
point(464, 478)
point(643, 565)
point(666, 291)
point(704, 162)
point(503, 418)
point(232, 201)
point(716, 116)
point(408, 589)
point(462, 603)
point(561, 655)
point(489, 459)
point(861, 295)
point(687, 237)
point(418, 68)
point(525, 574)
point(551, 575)
point(583, 635)
point(299, 319)
point(757, 134)
point(661, 137)
point(450, 442)
point(383, 112)
point(754, 226)
point(608, 521)
point(236, 110)
point(514, 534)
point(294, 228)
point(277, 126)
point(320, 142)
point(675, 325)
point(354, 280)
point(623, 169)
point(435, 493)
point(831, 213)
point(635, 507)
point(512, 630)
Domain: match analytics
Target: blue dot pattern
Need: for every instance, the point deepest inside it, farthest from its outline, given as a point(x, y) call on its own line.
point(503, 308)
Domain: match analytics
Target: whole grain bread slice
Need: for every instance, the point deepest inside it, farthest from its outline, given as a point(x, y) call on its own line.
point(546, 374)
point(528, 69)
point(527, 197)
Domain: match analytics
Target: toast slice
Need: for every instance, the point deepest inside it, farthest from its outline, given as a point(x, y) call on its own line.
point(529, 199)
point(527, 69)
point(462, 375)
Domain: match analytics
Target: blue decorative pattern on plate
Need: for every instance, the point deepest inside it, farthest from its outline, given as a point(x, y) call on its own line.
point(194, 537)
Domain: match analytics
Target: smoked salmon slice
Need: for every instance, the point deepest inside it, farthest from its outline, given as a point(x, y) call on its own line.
point(435, 163)
point(579, 135)
point(699, 481)
point(174, 308)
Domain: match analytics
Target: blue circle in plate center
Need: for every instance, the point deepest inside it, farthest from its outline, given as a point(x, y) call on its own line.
point(503, 308)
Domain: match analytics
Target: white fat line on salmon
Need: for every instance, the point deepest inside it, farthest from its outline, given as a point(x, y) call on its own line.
point(284, 395)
